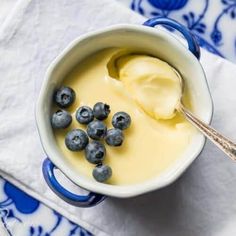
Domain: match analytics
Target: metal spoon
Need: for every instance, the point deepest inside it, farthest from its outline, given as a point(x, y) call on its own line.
point(226, 145)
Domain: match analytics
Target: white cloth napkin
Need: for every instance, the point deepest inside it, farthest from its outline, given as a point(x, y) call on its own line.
point(202, 202)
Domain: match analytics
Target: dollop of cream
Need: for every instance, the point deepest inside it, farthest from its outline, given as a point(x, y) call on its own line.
point(153, 84)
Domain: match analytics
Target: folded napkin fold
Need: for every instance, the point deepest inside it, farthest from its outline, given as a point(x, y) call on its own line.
point(201, 202)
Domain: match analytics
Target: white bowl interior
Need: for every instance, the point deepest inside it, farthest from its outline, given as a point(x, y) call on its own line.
point(149, 40)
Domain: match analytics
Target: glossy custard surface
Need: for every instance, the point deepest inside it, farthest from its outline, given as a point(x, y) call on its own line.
point(137, 84)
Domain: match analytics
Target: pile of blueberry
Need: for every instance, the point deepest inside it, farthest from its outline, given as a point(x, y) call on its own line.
point(78, 139)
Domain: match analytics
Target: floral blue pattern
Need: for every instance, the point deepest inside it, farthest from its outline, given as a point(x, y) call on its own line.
point(168, 4)
point(210, 33)
point(17, 209)
point(230, 9)
point(23, 202)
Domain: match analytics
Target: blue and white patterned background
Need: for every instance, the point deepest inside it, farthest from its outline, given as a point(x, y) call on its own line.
point(23, 215)
point(214, 24)
point(212, 21)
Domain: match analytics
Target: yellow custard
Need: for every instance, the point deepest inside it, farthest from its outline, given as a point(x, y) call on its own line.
point(137, 84)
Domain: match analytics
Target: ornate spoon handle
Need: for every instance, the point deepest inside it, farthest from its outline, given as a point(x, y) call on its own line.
point(226, 145)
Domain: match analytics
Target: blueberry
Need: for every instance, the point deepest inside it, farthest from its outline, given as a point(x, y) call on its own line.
point(95, 152)
point(121, 120)
point(64, 97)
point(114, 137)
point(84, 115)
point(61, 119)
point(102, 172)
point(76, 140)
point(96, 129)
point(101, 110)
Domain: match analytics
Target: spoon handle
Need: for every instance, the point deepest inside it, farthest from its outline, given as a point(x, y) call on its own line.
point(226, 145)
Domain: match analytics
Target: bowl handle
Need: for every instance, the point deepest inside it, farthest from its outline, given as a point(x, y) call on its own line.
point(89, 200)
point(192, 42)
